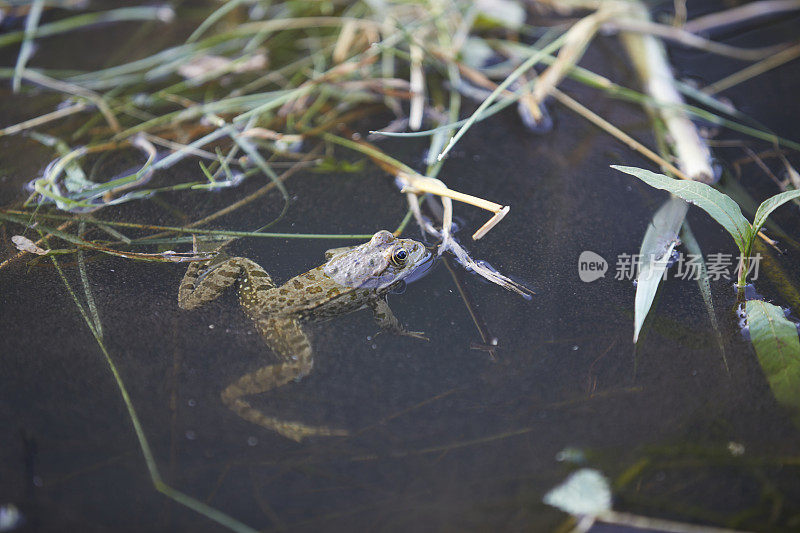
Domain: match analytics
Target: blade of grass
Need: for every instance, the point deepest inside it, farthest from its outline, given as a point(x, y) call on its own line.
point(87, 19)
point(212, 19)
point(10, 215)
point(519, 71)
point(98, 325)
point(152, 467)
point(25, 51)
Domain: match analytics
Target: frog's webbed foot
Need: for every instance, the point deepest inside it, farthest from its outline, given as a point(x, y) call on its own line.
point(288, 340)
point(389, 323)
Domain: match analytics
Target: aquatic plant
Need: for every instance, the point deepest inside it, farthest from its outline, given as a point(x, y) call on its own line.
point(774, 337)
point(721, 208)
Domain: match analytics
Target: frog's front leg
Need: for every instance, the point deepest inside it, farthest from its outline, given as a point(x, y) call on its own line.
point(388, 322)
point(205, 281)
point(287, 339)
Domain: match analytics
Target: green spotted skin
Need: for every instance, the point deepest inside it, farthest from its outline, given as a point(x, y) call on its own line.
point(279, 312)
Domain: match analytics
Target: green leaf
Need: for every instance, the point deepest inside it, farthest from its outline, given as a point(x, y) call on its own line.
point(584, 492)
point(703, 284)
point(492, 14)
point(657, 245)
point(719, 206)
point(777, 346)
point(769, 205)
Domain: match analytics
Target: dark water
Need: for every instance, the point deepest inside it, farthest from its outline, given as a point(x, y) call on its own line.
point(445, 439)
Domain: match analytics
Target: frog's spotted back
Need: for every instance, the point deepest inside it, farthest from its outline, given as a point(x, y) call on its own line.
point(353, 278)
point(379, 263)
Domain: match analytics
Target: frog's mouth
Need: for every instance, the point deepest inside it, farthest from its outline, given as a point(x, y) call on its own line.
point(424, 265)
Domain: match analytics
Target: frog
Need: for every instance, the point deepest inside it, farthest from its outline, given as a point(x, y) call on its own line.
point(351, 279)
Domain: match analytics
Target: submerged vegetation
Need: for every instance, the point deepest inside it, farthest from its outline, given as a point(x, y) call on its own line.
point(259, 89)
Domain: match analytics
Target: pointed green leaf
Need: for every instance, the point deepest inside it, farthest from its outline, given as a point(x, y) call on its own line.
point(777, 346)
point(657, 245)
point(719, 206)
point(771, 204)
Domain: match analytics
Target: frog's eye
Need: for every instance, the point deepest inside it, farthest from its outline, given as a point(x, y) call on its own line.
point(399, 256)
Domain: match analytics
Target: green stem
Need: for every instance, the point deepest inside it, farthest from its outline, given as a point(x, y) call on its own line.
point(152, 468)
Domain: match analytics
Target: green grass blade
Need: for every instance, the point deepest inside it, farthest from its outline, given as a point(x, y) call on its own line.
point(220, 12)
point(90, 303)
point(86, 19)
point(152, 468)
point(519, 71)
point(26, 49)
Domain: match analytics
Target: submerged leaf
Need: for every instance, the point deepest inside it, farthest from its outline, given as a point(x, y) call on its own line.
point(719, 206)
point(24, 244)
point(499, 13)
point(659, 241)
point(777, 346)
point(771, 204)
point(585, 492)
point(703, 284)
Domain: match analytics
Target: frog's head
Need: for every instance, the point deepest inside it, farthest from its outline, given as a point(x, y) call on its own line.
point(383, 262)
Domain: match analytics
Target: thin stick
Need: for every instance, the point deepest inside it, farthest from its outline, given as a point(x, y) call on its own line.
point(740, 14)
point(639, 522)
point(480, 324)
point(754, 70)
point(609, 128)
point(44, 119)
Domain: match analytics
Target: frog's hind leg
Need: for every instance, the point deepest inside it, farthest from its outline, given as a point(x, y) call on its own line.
point(204, 281)
point(287, 339)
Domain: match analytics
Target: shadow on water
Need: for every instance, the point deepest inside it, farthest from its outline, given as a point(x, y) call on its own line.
point(444, 437)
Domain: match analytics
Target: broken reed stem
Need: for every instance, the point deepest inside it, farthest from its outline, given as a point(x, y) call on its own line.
point(416, 183)
point(649, 58)
point(419, 184)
